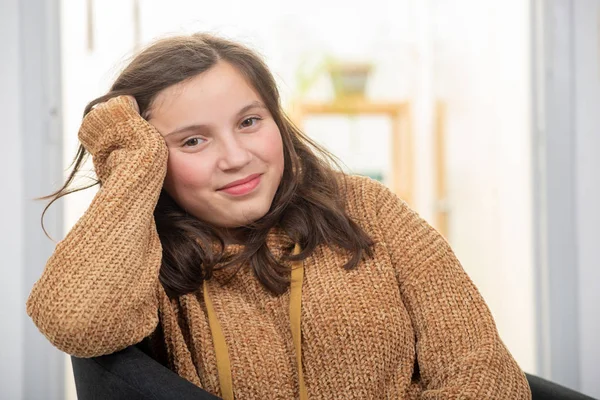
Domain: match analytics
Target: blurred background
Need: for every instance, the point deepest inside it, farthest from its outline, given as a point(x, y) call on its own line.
point(484, 115)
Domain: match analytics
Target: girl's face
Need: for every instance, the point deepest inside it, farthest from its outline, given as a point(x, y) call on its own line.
point(225, 149)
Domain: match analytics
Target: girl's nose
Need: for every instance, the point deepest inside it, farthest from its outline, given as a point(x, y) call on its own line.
point(234, 154)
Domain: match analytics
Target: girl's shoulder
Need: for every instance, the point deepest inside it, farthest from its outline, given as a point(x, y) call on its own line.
point(365, 197)
point(364, 191)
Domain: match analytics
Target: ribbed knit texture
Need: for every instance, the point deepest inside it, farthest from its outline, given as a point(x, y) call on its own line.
point(363, 331)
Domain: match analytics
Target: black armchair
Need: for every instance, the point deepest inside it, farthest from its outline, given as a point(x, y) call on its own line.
point(133, 375)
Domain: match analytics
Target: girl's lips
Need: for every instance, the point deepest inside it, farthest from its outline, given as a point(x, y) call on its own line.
point(242, 188)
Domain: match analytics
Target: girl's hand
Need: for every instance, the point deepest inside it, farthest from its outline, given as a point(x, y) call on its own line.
point(112, 130)
point(117, 124)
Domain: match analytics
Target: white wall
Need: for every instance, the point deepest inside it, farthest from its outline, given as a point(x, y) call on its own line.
point(482, 67)
point(587, 184)
point(567, 189)
point(11, 203)
point(30, 368)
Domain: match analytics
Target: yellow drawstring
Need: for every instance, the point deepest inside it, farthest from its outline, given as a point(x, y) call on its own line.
point(296, 317)
point(221, 352)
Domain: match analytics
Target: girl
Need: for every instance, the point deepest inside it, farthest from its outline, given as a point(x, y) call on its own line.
point(222, 236)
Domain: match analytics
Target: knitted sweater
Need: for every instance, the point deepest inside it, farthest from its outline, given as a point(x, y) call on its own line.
point(405, 324)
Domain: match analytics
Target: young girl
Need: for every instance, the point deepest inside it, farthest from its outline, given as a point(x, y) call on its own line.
point(222, 236)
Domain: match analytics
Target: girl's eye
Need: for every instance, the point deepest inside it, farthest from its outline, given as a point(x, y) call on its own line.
point(192, 142)
point(248, 122)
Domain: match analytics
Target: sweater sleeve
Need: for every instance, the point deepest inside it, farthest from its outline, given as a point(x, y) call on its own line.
point(459, 351)
point(99, 290)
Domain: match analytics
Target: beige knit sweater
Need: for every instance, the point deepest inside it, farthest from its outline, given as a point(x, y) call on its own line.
point(405, 324)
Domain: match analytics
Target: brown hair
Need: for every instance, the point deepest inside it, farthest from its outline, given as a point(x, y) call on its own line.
point(308, 205)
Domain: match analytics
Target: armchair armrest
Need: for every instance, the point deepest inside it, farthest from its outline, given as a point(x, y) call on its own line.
point(541, 389)
point(131, 374)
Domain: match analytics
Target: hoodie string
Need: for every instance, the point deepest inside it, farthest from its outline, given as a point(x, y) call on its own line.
point(296, 316)
point(221, 352)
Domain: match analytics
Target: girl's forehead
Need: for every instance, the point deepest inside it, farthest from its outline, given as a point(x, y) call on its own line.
point(217, 93)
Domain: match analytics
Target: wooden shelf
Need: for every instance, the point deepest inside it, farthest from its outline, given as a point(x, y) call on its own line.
point(401, 145)
point(351, 107)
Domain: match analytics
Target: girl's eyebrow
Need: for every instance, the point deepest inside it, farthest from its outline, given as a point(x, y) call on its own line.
point(254, 104)
point(246, 108)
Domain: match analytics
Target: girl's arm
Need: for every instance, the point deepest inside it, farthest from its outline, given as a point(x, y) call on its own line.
point(459, 352)
point(98, 291)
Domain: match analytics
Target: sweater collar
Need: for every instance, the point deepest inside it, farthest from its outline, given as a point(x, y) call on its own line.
point(278, 242)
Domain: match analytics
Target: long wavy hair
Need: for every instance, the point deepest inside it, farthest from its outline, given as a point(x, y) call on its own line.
point(308, 206)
